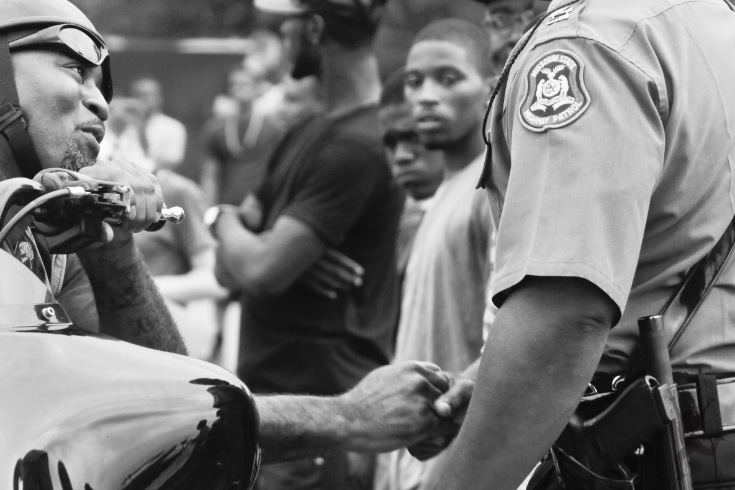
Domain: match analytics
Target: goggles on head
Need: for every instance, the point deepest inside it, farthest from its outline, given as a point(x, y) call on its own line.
point(75, 42)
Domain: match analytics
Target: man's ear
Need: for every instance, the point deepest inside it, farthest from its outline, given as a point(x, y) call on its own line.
point(315, 29)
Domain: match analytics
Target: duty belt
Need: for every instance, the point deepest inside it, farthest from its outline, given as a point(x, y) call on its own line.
point(707, 406)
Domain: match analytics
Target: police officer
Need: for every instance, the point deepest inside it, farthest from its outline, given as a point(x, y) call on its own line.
point(610, 174)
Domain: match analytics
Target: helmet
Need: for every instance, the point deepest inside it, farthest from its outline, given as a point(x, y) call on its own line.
point(19, 18)
point(22, 14)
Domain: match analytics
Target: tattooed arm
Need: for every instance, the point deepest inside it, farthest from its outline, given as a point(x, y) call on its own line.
point(128, 303)
point(390, 408)
point(126, 298)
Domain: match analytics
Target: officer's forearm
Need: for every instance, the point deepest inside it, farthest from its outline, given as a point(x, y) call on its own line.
point(129, 305)
point(543, 348)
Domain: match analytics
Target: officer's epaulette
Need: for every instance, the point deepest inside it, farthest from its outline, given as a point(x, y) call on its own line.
point(560, 21)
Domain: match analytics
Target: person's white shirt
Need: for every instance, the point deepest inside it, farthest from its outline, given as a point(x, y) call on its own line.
point(166, 138)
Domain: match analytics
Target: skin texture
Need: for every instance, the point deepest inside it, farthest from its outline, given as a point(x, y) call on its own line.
point(266, 263)
point(444, 89)
point(417, 169)
point(542, 350)
point(65, 117)
point(66, 111)
point(296, 426)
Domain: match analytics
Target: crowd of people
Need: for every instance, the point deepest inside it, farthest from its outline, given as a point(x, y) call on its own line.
point(343, 224)
point(359, 258)
point(337, 207)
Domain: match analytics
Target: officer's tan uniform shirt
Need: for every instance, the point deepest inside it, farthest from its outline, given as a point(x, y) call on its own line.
point(612, 161)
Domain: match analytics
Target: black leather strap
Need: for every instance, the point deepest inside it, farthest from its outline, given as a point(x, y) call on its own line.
point(708, 400)
point(14, 127)
point(684, 304)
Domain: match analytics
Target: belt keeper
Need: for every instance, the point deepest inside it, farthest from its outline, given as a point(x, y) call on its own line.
point(709, 405)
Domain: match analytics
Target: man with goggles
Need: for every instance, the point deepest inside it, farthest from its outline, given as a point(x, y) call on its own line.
point(53, 106)
point(53, 110)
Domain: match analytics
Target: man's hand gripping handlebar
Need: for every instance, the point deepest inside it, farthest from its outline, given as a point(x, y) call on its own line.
point(72, 211)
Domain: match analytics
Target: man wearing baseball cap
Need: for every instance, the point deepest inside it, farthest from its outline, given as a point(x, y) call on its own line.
point(328, 188)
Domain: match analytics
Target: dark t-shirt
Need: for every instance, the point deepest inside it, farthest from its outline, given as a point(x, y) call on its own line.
point(330, 174)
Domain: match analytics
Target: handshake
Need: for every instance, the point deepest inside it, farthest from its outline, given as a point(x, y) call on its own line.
point(410, 404)
point(407, 404)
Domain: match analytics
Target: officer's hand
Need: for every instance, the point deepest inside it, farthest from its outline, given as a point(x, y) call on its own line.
point(332, 274)
point(451, 405)
point(392, 407)
point(146, 198)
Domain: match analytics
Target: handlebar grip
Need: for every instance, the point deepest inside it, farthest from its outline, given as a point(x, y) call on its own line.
point(173, 215)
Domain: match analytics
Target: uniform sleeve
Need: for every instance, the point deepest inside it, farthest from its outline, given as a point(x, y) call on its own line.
point(337, 190)
point(580, 184)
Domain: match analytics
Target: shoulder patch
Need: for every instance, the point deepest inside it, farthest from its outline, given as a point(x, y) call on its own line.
point(555, 92)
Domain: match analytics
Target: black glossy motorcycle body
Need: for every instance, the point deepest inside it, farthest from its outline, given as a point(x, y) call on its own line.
point(81, 411)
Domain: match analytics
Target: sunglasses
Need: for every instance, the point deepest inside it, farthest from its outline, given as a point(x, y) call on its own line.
point(75, 42)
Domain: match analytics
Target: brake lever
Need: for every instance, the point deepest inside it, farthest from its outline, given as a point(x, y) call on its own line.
point(108, 201)
point(74, 221)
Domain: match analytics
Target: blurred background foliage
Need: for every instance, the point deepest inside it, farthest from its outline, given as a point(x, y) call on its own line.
point(171, 18)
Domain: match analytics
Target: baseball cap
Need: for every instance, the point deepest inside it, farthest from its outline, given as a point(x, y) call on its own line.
point(286, 7)
point(356, 10)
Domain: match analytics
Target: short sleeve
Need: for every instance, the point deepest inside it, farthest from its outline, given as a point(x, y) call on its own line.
point(343, 176)
point(586, 152)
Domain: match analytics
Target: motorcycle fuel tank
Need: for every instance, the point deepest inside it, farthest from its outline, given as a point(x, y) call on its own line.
point(81, 411)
